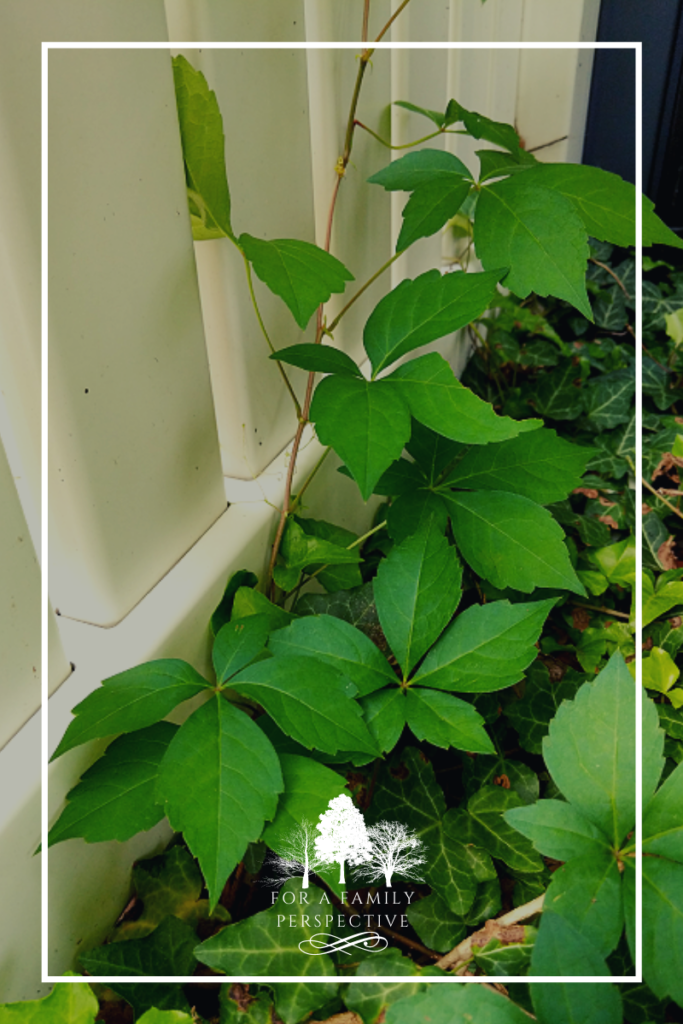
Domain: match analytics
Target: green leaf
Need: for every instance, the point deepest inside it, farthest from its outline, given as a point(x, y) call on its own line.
point(539, 465)
point(663, 927)
point(432, 452)
point(433, 115)
point(238, 1006)
point(221, 615)
point(309, 787)
point(416, 170)
point(115, 798)
point(531, 714)
point(590, 750)
point(157, 1016)
point(663, 819)
point(424, 310)
point(608, 399)
point(167, 951)
point(417, 590)
point(339, 644)
point(430, 206)
point(587, 893)
point(309, 700)
point(538, 234)
point(511, 541)
point(302, 274)
point(132, 700)
point(556, 397)
point(487, 647)
point(438, 400)
point(366, 422)
point(605, 202)
point(660, 671)
point(385, 716)
point(238, 643)
point(262, 944)
point(557, 829)
point(295, 1000)
point(446, 721)
point(170, 884)
point(652, 747)
point(68, 1003)
point(655, 231)
point(333, 577)
point(495, 164)
point(491, 831)
point(617, 562)
point(456, 1004)
point(219, 782)
point(561, 950)
point(371, 1000)
point(201, 131)
point(657, 602)
point(356, 606)
point(318, 359)
point(481, 127)
point(507, 959)
point(250, 602)
point(411, 513)
point(436, 925)
point(301, 549)
point(583, 1003)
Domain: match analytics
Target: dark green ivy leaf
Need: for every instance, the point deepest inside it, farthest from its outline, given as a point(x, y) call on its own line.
point(167, 951)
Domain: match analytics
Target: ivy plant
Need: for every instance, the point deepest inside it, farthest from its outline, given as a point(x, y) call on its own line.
point(401, 684)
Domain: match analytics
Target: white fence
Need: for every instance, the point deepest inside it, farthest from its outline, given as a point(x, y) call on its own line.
point(163, 406)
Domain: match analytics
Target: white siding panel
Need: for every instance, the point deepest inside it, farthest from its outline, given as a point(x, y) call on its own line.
point(133, 453)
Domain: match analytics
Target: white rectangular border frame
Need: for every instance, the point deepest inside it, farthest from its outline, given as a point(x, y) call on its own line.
point(180, 45)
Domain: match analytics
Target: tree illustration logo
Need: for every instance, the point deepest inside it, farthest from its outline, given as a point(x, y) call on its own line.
point(342, 835)
point(395, 849)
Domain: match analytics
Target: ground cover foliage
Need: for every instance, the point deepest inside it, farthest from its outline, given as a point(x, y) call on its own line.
point(463, 669)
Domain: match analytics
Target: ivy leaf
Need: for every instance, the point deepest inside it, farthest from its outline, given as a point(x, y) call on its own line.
point(605, 202)
point(417, 590)
point(570, 1003)
point(608, 399)
point(487, 647)
point(309, 787)
point(385, 716)
point(587, 892)
point(557, 829)
point(538, 234)
point(486, 808)
point(318, 359)
point(259, 945)
point(241, 578)
point(219, 782)
point(301, 549)
point(446, 721)
point(237, 1006)
point(590, 750)
point(309, 700)
point(561, 950)
point(302, 274)
point(339, 644)
point(531, 714)
point(486, 523)
point(509, 959)
point(556, 395)
point(423, 310)
point(115, 797)
point(201, 131)
point(68, 1003)
point(540, 466)
point(657, 602)
point(167, 951)
point(366, 422)
point(436, 925)
point(371, 1000)
point(132, 700)
point(295, 1000)
point(438, 400)
point(237, 644)
point(356, 606)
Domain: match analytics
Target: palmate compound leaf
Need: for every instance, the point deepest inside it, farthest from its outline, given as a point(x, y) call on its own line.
point(558, 830)
point(576, 1003)
point(309, 787)
point(339, 644)
point(219, 782)
point(456, 1004)
point(417, 589)
point(663, 819)
point(590, 750)
point(446, 721)
point(115, 797)
point(385, 715)
point(268, 942)
point(663, 927)
point(562, 950)
point(540, 466)
point(423, 310)
point(487, 647)
point(309, 700)
point(438, 400)
point(511, 541)
point(536, 232)
point(201, 131)
point(68, 1003)
point(366, 422)
point(587, 892)
point(132, 700)
point(302, 274)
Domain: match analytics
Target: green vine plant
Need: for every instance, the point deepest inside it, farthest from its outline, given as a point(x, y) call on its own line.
point(428, 626)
